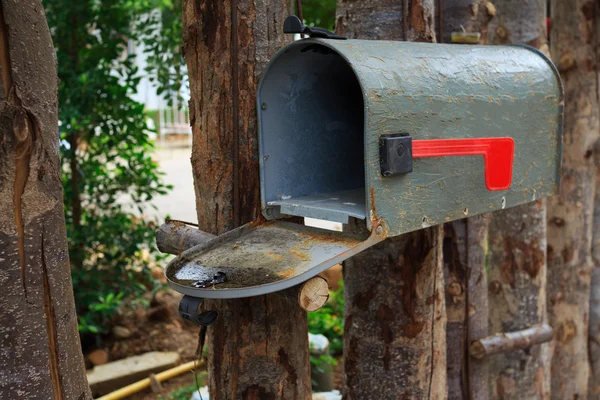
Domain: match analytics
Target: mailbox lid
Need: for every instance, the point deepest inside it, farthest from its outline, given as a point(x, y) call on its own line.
point(445, 91)
point(260, 258)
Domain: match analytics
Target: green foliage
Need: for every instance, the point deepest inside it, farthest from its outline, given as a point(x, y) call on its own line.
point(105, 149)
point(319, 13)
point(186, 392)
point(162, 36)
point(183, 393)
point(329, 321)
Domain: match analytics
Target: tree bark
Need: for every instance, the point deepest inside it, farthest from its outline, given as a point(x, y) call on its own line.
point(465, 243)
point(570, 215)
point(517, 244)
point(258, 347)
point(510, 341)
point(466, 304)
point(594, 325)
point(41, 355)
point(394, 322)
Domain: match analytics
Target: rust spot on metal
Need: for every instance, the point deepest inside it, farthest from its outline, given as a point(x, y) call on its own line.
point(298, 254)
point(259, 221)
point(274, 256)
point(288, 273)
point(373, 207)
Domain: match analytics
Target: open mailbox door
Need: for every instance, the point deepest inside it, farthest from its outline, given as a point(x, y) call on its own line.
point(397, 135)
point(261, 258)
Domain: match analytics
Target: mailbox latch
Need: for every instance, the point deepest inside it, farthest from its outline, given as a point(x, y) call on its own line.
point(396, 153)
point(292, 24)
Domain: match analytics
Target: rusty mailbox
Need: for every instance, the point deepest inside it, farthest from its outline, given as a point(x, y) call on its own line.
point(395, 135)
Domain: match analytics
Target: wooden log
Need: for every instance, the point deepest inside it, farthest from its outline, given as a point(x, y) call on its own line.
point(570, 214)
point(174, 237)
point(310, 295)
point(394, 315)
point(517, 244)
point(510, 341)
point(258, 348)
point(466, 240)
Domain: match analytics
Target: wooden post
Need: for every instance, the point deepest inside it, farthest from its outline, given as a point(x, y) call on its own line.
point(594, 325)
point(394, 334)
point(517, 243)
point(574, 48)
point(258, 347)
point(41, 354)
point(465, 241)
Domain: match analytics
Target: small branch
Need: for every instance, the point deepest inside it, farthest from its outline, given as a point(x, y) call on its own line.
point(174, 237)
point(510, 341)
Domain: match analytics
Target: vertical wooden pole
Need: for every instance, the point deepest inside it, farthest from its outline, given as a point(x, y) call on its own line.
point(258, 348)
point(41, 354)
point(574, 49)
point(594, 325)
point(394, 336)
point(465, 243)
point(517, 244)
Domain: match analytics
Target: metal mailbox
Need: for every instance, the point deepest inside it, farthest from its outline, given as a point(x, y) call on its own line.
point(399, 135)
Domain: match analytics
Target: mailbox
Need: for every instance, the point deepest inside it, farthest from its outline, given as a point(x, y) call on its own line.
point(396, 135)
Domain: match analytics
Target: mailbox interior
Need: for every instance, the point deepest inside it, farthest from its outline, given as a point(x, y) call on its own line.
point(311, 117)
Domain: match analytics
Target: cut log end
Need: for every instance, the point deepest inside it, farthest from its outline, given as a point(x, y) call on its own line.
point(313, 294)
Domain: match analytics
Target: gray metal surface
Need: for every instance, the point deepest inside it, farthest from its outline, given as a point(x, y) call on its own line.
point(264, 258)
point(336, 206)
point(312, 128)
point(430, 91)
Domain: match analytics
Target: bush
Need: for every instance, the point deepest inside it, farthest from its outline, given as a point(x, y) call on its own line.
point(108, 173)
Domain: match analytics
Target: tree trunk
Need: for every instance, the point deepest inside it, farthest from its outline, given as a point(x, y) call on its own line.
point(394, 336)
point(594, 327)
point(466, 304)
point(574, 48)
point(258, 347)
point(517, 244)
point(41, 354)
point(517, 299)
point(465, 244)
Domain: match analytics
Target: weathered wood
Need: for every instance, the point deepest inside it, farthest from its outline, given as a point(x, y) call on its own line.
point(477, 302)
point(310, 295)
point(510, 341)
point(472, 16)
point(174, 237)
point(570, 215)
point(465, 243)
point(466, 304)
point(394, 333)
point(41, 354)
point(258, 347)
point(517, 245)
point(594, 324)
